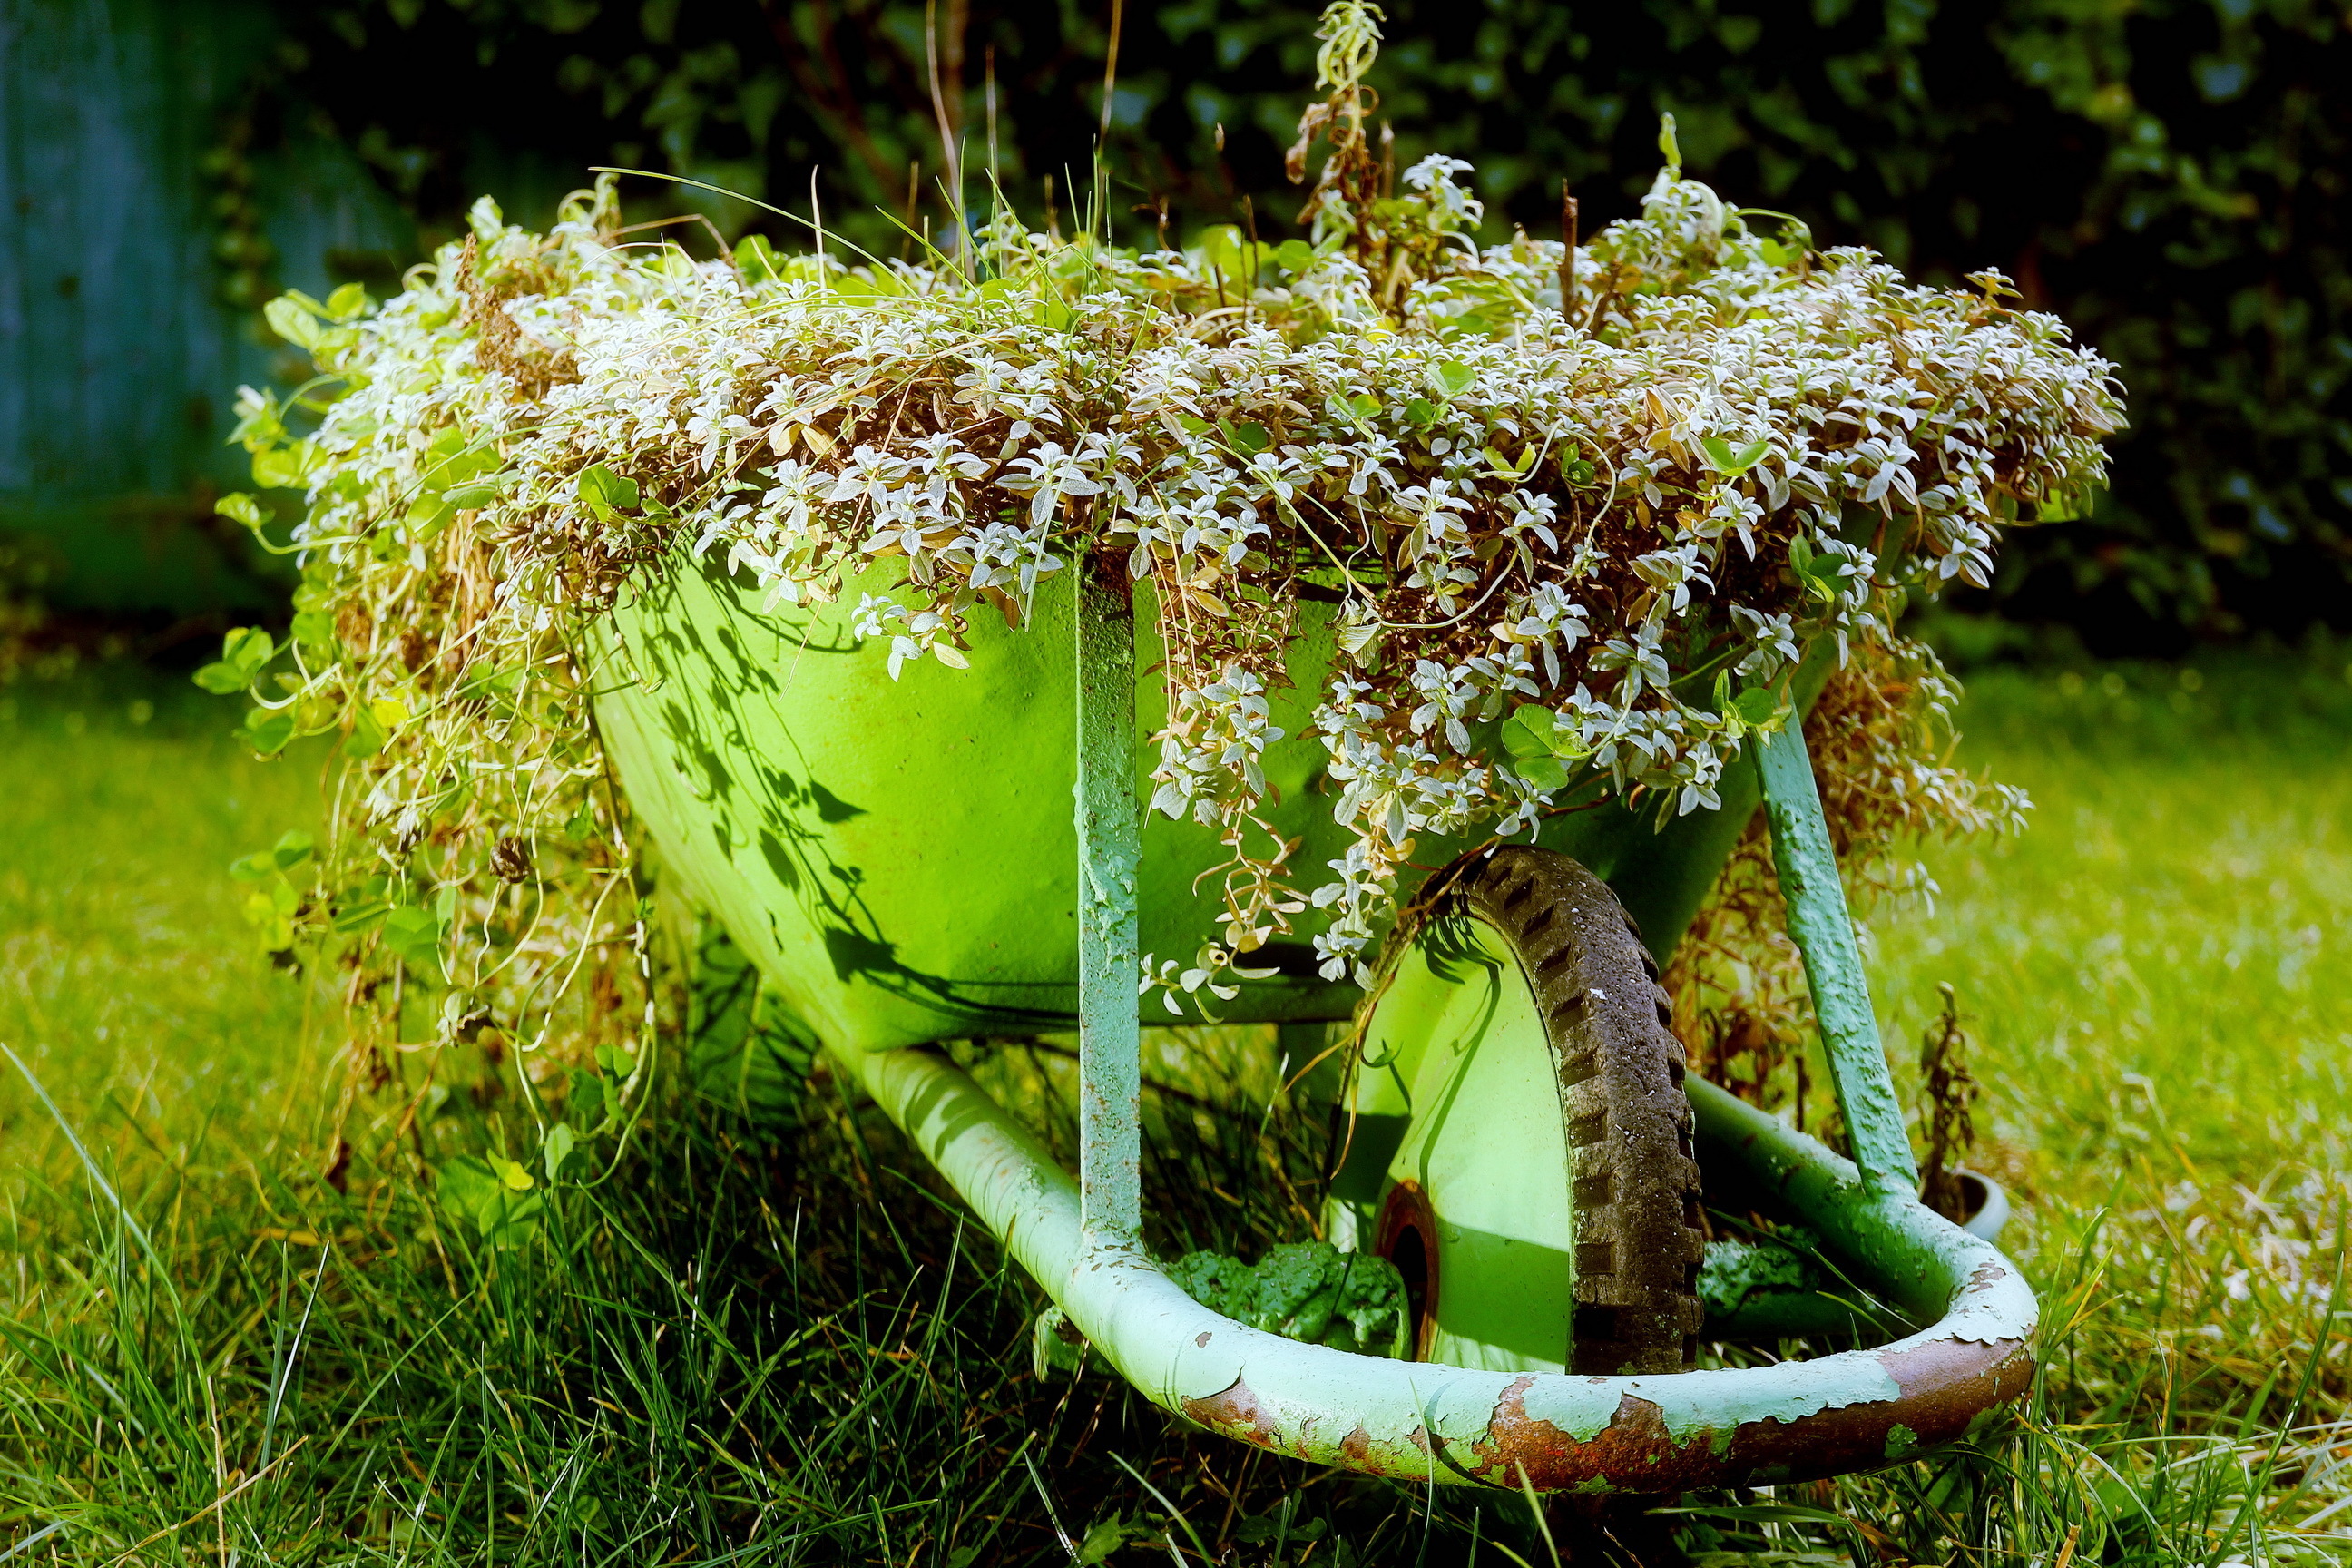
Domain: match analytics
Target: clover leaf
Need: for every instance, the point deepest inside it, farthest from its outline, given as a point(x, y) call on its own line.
point(1729, 460)
point(605, 492)
point(244, 653)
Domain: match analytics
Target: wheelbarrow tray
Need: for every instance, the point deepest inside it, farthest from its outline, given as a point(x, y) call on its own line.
point(900, 860)
point(900, 856)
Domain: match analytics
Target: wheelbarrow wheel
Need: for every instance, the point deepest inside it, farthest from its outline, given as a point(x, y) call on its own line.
point(1517, 1139)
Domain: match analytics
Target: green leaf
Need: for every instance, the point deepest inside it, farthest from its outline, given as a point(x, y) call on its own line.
point(1295, 255)
point(267, 732)
point(425, 515)
point(465, 1185)
point(472, 1189)
point(1454, 378)
point(1268, 1527)
point(248, 649)
point(605, 491)
point(2066, 505)
point(411, 932)
point(239, 507)
point(474, 495)
point(290, 319)
point(284, 467)
point(291, 849)
point(1756, 706)
point(252, 868)
point(1819, 570)
point(584, 1104)
point(367, 737)
point(1107, 1536)
point(756, 259)
point(1248, 436)
point(1225, 248)
point(1192, 427)
point(560, 1142)
point(314, 629)
point(223, 679)
point(1544, 772)
point(361, 917)
point(1725, 459)
point(1364, 403)
point(1421, 411)
point(347, 302)
point(620, 1066)
point(1529, 732)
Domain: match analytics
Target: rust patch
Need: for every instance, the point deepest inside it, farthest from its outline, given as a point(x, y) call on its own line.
point(1945, 1385)
point(1634, 1453)
point(1406, 1213)
point(1237, 1413)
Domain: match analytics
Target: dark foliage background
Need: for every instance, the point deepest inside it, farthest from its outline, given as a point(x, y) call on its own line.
point(2167, 174)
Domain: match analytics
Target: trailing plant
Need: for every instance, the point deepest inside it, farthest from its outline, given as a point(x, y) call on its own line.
point(1951, 1091)
point(1881, 738)
point(1578, 542)
point(2168, 176)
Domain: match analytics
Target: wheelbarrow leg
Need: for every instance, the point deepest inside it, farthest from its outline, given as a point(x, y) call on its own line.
point(1824, 932)
point(1110, 1040)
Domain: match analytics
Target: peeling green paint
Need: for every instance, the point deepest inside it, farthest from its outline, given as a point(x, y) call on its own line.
point(1824, 932)
point(1695, 1403)
point(1422, 1421)
point(1110, 844)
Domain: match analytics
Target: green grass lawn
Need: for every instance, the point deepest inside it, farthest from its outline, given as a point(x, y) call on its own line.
point(769, 1340)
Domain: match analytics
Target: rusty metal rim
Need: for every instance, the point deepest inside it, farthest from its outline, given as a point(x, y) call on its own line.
point(1407, 1208)
point(1419, 1421)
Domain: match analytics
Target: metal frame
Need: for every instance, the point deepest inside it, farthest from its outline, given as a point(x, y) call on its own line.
point(1429, 1422)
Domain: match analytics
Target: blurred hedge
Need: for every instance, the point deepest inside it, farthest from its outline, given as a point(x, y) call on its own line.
point(2168, 174)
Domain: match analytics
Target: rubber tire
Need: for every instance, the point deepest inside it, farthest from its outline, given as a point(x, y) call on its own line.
point(1640, 1235)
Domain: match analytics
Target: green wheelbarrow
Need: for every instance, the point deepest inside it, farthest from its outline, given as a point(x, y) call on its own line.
point(903, 863)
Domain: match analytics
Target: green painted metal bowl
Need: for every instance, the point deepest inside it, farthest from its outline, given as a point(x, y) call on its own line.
point(899, 858)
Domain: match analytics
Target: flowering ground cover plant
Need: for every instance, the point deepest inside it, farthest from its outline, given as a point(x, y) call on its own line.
point(1577, 511)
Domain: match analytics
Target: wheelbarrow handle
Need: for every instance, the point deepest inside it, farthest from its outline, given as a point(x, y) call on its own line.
point(1426, 1422)
point(1806, 864)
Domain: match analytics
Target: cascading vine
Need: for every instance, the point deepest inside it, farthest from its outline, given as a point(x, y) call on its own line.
point(1569, 549)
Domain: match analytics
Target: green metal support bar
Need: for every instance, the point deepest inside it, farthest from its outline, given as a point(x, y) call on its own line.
point(1110, 847)
point(1824, 932)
